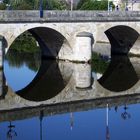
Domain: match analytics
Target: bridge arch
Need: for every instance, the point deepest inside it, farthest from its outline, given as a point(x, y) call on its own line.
point(52, 43)
point(102, 27)
point(122, 38)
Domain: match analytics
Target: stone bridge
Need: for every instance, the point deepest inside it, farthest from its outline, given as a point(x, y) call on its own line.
point(71, 35)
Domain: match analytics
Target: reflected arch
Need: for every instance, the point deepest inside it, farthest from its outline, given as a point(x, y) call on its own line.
point(120, 74)
point(50, 80)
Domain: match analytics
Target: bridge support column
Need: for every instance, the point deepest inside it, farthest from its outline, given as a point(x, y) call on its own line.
point(83, 47)
point(2, 50)
point(82, 76)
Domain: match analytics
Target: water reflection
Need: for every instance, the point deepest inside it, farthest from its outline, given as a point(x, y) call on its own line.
point(11, 134)
point(35, 80)
point(53, 76)
point(120, 74)
point(41, 119)
point(4, 87)
point(18, 59)
point(47, 83)
point(82, 76)
point(106, 123)
point(125, 115)
point(20, 68)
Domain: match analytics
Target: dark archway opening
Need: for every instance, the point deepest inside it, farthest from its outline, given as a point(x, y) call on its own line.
point(50, 41)
point(122, 39)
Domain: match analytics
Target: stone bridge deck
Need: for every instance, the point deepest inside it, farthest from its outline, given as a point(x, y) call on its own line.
point(68, 16)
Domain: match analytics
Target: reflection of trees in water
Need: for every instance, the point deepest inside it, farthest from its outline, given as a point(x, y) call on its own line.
point(11, 132)
point(99, 63)
point(18, 59)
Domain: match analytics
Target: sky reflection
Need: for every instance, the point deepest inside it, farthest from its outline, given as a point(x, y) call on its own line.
point(86, 125)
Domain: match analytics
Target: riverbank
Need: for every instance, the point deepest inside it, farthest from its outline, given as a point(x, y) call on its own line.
point(104, 48)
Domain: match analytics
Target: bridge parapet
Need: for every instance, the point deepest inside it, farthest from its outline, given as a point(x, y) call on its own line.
point(68, 16)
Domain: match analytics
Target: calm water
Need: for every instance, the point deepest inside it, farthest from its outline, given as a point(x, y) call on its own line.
point(107, 123)
point(78, 125)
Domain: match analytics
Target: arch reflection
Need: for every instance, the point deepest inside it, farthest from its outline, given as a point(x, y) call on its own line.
point(48, 82)
point(120, 74)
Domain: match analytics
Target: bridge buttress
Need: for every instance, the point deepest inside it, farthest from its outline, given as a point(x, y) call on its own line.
point(83, 47)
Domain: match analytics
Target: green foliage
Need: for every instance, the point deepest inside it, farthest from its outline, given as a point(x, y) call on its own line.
point(98, 64)
point(93, 5)
point(18, 59)
point(25, 43)
point(81, 2)
point(2, 6)
point(5, 1)
point(58, 5)
point(21, 6)
point(35, 4)
point(24, 50)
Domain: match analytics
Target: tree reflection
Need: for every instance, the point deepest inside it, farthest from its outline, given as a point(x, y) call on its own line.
point(11, 132)
point(18, 59)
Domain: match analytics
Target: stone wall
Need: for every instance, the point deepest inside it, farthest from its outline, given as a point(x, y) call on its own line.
point(68, 16)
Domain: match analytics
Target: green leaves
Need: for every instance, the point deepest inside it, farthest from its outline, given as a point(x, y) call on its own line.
point(25, 43)
point(93, 5)
point(34, 4)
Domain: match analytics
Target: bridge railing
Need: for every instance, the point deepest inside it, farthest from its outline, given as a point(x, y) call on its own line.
point(67, 16)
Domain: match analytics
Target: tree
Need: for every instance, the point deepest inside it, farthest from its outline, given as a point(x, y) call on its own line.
point(34, 4)
point(94, 5)
point(21, 6)
point(81, 2)
point(2, 6)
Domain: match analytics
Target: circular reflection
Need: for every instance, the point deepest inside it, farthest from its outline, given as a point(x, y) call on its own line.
point(22, 61)
point(120, 74)
point(29, 76)
point(49, 81)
